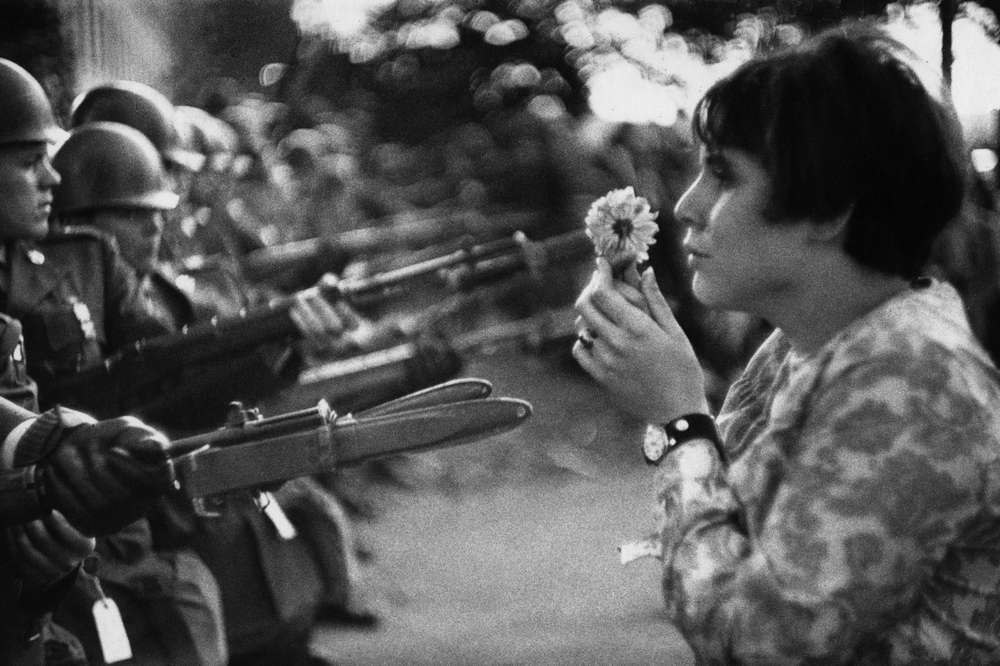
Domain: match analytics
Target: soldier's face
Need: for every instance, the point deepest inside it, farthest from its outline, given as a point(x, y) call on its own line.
point(138, 233)
point(26, 182)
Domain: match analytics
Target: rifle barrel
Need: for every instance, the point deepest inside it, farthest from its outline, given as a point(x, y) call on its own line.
point(464, 256)
point(400, 231)
point(533, 255)
point(252, 430)
point(117, 382)
point(549, 325)
point(260, 264)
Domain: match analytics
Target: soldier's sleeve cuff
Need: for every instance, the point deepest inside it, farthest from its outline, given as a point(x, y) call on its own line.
point(10, 443)
point(37, 440)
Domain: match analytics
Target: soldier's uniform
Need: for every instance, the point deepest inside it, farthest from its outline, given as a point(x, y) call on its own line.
point(26, 632)
point(77, 302)
point(197, 397)
point(43, 459)
point(15, 384)
point(270, 578)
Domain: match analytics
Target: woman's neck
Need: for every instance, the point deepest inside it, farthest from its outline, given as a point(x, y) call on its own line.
point(835, 295)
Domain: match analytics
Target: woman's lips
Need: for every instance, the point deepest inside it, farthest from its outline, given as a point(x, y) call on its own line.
point(696, 257)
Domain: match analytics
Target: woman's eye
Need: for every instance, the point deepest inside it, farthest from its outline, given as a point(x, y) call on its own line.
point(721, 175)
point(719, 170)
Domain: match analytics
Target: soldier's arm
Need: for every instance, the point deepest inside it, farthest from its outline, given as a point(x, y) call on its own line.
point(127, 317)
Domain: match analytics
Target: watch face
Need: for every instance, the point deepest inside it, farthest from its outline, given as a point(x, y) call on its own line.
point(654, 444)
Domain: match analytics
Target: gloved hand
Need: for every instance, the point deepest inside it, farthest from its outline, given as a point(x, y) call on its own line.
point(44, 551)
point(103, 475)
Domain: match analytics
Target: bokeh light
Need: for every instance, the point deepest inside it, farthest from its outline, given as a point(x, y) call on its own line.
point(634, 67)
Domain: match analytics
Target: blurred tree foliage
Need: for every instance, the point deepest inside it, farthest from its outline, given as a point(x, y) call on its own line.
point(424, 65)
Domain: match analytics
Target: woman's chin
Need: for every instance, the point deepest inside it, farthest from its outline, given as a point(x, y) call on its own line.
point(706, 293)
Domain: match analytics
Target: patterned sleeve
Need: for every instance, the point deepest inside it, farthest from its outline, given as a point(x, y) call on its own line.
point(839, 524)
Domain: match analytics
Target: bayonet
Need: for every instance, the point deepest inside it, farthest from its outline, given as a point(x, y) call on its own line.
point(252, 452)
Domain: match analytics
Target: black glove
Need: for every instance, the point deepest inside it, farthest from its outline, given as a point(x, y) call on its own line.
point(101, 475)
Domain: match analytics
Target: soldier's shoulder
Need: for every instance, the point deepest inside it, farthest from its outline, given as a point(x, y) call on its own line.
point(75, 233)
point(78, 240)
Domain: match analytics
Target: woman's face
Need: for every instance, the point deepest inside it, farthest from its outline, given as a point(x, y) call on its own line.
point(138, 232)
point(739, 259)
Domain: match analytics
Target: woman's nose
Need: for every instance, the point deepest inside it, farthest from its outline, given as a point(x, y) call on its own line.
point(689, 212)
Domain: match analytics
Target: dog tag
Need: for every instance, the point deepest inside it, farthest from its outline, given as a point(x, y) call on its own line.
point(111, 631)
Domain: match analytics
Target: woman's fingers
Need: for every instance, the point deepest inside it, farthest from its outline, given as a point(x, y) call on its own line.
point(659, 308)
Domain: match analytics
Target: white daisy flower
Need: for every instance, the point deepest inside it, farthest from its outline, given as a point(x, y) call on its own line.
point(622, 227)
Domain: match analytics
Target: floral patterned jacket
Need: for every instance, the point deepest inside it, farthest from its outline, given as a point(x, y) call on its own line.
point(857, 518)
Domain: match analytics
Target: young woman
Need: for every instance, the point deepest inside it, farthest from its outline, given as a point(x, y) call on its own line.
point(843, 506)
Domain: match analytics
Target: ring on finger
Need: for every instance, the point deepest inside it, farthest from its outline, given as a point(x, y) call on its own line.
point(586, 339)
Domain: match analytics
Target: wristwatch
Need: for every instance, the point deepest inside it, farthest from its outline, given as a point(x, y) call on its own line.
point(662, 439)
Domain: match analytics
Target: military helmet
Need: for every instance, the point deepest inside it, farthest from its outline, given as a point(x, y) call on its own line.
point(213, 137)
point(142, 107)
point(110, 165)
point(25, 112)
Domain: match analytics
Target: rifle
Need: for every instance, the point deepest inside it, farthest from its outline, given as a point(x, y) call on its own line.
point(360, 381)
point(250, 451)
point(128, 377)
point(402, 231)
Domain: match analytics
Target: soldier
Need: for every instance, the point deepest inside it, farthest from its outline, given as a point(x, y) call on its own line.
point(77, 302)
point(47, 531)
point(271, 578)
point(50, 510)
point(176, 137)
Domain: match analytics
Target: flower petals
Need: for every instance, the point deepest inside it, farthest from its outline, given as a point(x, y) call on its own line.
point(621, 226)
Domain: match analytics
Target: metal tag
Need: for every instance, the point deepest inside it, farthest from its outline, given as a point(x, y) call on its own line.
point(282, 525)
point(111, 631)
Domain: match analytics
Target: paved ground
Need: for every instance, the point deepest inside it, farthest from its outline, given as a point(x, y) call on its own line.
point(505, 552)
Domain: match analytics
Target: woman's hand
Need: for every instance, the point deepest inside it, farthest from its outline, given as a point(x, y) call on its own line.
point(639, 353)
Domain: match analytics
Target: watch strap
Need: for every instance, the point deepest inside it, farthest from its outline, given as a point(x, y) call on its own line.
point(661, 440)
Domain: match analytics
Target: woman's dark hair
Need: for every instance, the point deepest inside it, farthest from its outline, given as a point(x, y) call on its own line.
point(841, 123)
